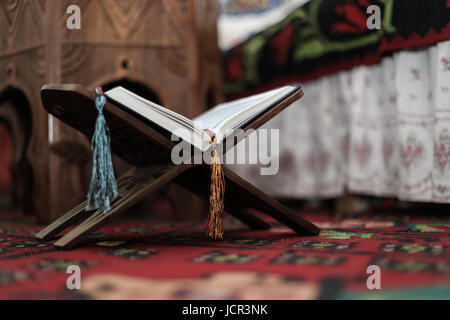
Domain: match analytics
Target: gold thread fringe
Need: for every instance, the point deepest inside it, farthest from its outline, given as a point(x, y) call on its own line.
point(216, 199)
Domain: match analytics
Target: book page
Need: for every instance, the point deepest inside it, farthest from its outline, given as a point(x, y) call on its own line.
point(213, 117)
point(230, 115)
point(162, 117)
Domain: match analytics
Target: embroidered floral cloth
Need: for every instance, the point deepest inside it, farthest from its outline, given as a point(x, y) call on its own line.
point(325, 36)
point(381, 130)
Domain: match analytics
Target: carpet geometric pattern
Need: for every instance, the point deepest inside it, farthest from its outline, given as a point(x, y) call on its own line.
point(139, 258)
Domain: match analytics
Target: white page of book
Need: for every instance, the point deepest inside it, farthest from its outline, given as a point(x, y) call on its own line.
point(213, 117)
point(224, 116)
point(169, 120)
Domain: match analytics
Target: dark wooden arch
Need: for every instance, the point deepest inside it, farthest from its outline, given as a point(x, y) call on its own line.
point(15, 112)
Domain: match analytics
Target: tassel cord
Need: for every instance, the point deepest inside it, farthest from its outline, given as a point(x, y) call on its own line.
point(103, 187)
point(217, 197)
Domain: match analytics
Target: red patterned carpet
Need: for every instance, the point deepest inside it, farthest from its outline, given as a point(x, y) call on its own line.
point(140, 258)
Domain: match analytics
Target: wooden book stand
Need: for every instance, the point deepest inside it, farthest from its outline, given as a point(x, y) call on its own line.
point(149, 151)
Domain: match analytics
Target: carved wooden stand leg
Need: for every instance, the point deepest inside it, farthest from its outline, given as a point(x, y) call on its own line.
point(139, 182)
point(243, 195)
point(133, 186)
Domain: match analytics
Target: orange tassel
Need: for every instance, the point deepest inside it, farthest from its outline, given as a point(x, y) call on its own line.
point(216, 199)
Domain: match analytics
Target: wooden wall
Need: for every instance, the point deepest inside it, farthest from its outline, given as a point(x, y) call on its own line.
point(166, 50)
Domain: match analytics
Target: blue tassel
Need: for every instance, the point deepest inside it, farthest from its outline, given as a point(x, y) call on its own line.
point(103, 187)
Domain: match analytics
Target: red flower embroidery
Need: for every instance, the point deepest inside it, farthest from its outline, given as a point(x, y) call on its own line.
point(388, 150)
point(442, 150)
point(354, 14)
point(445, 63)
point(393, 98)
point(442, 155)
point(234, 67)
point(415, 73)
point(318, 162)
point(411, 151)
point(281, 43)
point(362, 151)
point(441, 189)
point(287, 160)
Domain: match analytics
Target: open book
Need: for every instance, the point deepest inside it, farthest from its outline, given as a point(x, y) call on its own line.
point(137, 128)
point(222, 120)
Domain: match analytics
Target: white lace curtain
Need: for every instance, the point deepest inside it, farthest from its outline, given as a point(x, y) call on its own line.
point(381, 130)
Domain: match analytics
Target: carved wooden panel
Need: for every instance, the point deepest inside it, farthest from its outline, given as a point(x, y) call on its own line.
point(162, 45)
point(19, 167)
point(22, 69)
